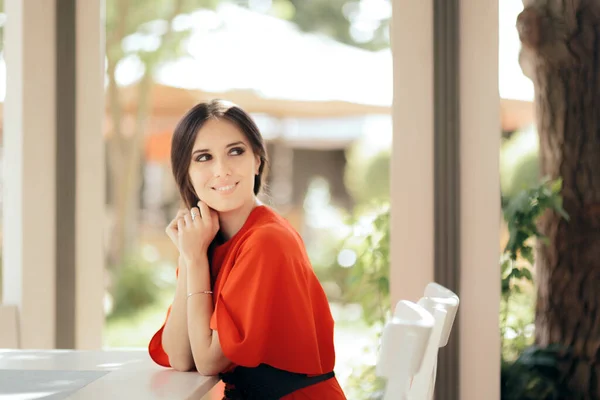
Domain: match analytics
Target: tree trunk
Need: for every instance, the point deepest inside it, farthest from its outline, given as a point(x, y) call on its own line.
point(126, 163)
point(560, 53)
point(125, 149)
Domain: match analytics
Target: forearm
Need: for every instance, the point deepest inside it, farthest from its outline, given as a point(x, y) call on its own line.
point(200, 309)
point(175, 339)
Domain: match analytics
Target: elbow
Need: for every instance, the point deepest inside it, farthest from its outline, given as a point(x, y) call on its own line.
point(206, 369)
point(182, 366)
point(181, 363)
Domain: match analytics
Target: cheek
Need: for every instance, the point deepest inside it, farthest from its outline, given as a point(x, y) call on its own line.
point(199, 177)
point(244, 166)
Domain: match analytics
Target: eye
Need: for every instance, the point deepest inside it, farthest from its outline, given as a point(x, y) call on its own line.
point(203, 157)
point(237, 151)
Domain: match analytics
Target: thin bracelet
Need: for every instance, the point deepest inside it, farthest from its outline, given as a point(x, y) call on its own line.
point(202, 292)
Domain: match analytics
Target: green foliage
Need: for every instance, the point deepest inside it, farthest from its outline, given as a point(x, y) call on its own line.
point(535, 375)
point(148, 17)
point(136, 284)
point(365, 385)
point(522, 211)
point(525, 174)
point(368, 280)
point(332, 18)
point(369, 286)
point(519, 162)
point(367, 177)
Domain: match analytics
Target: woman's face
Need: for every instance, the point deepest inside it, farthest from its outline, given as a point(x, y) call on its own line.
point(223, 166)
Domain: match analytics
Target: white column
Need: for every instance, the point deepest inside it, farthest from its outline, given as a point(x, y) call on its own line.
point(29, 170)
point(412, 245)
point(33, 173)
point(412, 180)
point(90, 218)
point(480, 201)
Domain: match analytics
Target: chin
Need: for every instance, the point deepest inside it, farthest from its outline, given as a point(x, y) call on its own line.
point(225, 205)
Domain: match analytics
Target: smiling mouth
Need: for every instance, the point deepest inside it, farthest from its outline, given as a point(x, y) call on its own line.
point(225, 189)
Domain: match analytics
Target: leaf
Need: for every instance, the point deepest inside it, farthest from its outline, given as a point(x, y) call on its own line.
point(505, 266)
point(556, 186)
point(505, 285)
point(526, 273)
point(515, 273)
point(527, 253)
point(384, 283)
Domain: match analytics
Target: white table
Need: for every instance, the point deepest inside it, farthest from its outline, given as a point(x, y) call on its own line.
point(94, 375)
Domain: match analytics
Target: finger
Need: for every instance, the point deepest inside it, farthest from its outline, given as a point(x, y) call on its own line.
point(188, 219)
point(172, 231)
point(173, 224)
point(180, 225)
point(181, 212)
point(215, 217)
point(204, 212)
point(195, 214)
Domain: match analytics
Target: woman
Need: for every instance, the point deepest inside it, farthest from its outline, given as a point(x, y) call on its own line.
point(248, 305)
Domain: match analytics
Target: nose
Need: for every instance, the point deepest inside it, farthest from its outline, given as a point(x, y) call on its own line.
point(221, 167)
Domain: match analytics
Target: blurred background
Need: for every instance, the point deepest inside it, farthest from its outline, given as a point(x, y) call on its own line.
point(317, 77)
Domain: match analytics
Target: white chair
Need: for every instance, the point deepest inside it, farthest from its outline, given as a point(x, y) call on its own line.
point(439, 292)
point(443, 305)
point(403, 344)
point(9, 333)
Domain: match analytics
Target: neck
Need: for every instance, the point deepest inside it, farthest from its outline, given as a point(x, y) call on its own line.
point(232, 221)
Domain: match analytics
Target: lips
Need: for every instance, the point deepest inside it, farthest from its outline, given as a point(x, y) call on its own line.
point(225, 188)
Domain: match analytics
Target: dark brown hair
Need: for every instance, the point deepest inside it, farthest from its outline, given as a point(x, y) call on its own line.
point(185, 134)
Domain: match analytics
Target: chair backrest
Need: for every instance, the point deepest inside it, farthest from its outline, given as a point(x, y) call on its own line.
point(443, 305)
point(9, 333)
point(443, 294)
point(403, 345)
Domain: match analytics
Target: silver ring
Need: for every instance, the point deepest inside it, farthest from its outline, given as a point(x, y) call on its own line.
point(194, 215)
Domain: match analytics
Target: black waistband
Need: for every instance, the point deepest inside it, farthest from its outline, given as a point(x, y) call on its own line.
point(265, 382)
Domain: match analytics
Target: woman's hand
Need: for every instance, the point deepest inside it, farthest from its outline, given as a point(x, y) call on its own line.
point(196, 230)
point(171, 229)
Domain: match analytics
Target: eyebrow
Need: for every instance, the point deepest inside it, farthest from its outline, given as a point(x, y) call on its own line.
point(228, 146)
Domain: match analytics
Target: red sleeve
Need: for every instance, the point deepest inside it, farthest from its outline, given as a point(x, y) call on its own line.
point(272, 309)
point(155, 347)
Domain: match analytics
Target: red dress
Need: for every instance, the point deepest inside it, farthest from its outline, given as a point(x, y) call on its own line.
point(269, 306)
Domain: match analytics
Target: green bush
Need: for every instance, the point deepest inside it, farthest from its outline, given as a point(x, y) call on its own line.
point(363, 384)
point(368, 280)
point(136, 284)
point(535, 375)
point(367, 174)
point(368, 285)
point(528, 372)
point(519, 163)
